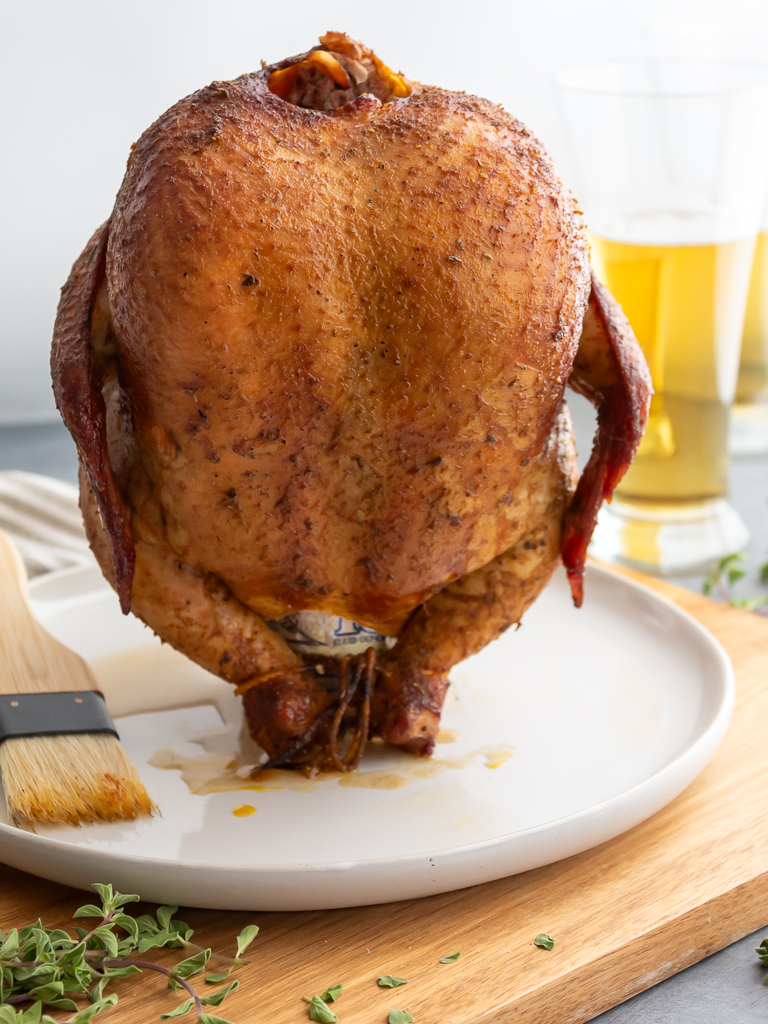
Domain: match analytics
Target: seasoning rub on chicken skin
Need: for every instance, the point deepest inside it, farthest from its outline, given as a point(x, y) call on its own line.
point(315, 360)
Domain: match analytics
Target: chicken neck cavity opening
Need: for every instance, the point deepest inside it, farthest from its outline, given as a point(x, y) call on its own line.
point(337, 73)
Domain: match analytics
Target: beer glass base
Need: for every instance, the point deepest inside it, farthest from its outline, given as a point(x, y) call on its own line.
point(668, 539)
point(748, 433)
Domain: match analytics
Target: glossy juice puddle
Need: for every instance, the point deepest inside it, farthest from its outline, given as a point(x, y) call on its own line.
point(153, 677)
point(228, 759)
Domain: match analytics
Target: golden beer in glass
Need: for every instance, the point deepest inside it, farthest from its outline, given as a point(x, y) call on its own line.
point(686, 305)
point(671, 166)
point(749, 425)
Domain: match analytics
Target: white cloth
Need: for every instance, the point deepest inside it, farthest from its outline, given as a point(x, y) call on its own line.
point(42, 517)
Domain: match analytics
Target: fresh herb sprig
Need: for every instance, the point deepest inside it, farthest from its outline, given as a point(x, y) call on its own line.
point(726, 574)
point(762, 952)
point(47, 967)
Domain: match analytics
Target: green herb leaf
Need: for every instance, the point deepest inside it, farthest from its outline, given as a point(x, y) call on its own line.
point(400, 1017)
point(332, 994)
point(48, 992)
point(74, 955)
point(179, 1011)
point(246, 937)
point(736, 574)
point(192, 965)
point(89, 910)
point(214, 979)
point(106, 893)
point(121, 972)
point(105, 938)
point(209, 1018)
point(128, 923)
point(450, 959)
point(120, 899)
point(217, 998)
point(544, 941)
point(749, 604)
point(10, 945)
point(164, 915)
point(87, 1015)
point(320, 1011)
point(731, 568)
point(147, 924)
point(182, 931)
point(155, 941)
point(390, 981)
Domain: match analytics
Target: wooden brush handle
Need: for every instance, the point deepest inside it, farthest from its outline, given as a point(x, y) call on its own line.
point(31, 661)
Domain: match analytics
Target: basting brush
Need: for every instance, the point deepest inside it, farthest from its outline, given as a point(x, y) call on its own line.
point(60, 757)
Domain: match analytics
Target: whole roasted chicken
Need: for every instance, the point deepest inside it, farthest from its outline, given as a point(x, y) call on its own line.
point(315, 362)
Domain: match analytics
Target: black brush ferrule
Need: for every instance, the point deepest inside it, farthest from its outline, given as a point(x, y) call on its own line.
point(66, 713)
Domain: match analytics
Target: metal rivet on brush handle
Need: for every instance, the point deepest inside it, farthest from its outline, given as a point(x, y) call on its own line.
point(62, 713)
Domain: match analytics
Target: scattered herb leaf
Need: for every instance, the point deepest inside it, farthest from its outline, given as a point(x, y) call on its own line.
point(332, 994)
point(390, 981)
point(320, 1011)
point(544, 941)
point(400, 1017)
point(245, 938)
point(450, 959)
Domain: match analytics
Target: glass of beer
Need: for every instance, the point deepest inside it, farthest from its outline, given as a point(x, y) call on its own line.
point(670, 161)
point(721, 38)
point(749, 416)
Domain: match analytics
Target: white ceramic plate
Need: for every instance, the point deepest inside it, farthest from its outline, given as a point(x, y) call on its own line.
point(562, 735)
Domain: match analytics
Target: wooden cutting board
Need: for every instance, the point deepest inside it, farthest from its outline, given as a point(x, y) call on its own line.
point(625, 915)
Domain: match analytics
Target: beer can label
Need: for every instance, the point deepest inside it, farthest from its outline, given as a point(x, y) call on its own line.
point(318, 633)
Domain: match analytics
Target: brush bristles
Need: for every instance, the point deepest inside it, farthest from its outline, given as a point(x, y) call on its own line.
point(73, 780)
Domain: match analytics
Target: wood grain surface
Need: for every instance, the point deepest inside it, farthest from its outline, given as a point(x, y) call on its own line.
point(625, 915)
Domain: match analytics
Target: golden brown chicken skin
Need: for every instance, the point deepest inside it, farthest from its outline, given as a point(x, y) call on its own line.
point(316, 360)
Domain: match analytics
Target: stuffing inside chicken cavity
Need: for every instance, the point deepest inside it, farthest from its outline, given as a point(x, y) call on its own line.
point(336, 73)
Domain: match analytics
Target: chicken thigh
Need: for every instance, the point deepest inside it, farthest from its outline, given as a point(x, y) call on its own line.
point(315, 361)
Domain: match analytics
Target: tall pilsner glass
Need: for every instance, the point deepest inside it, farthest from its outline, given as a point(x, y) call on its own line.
point(671, 166)
point(749, 416)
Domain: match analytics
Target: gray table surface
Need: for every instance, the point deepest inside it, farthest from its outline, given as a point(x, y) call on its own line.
point(726, 988)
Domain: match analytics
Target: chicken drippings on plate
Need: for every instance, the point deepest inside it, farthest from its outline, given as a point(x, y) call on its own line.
point(337, 73)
